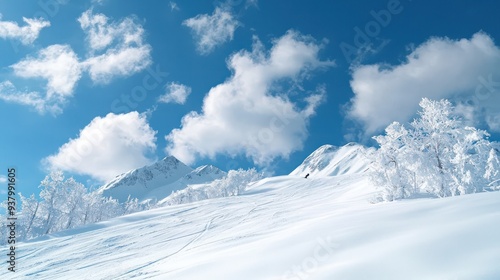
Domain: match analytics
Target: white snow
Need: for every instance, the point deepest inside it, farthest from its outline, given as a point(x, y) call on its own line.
point(283, 227)
point(157, 181)
point(330, 160)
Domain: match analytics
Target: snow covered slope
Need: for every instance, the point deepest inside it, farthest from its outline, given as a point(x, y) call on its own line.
point(329, 160)
point(201, 175)
point(282, 228)
point(158, 180)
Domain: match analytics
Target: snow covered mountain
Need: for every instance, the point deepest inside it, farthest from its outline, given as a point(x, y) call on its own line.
point(201, 175)
point(330, 160)
point(158, 180)
point(285, 227)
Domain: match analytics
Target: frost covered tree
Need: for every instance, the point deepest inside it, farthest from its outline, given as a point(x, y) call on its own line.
point(391, 163)
point(232, 184)
point(30, 217)
point(438, 154)
point(492, 172)
point(64, 204)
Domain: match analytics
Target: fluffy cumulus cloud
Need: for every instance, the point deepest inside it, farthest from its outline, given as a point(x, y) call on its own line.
point(107, 147)
point(26, 34)
point(57, 64)
point(116, 48)
point(176, 93)
point(213, 30)
point(252, 110)
point(466, 71)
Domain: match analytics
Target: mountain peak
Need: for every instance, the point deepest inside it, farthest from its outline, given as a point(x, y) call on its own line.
point(329, 160)
point(158, 180)
point(139, 181)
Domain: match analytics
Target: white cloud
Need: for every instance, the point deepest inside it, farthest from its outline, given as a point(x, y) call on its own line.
point(116, 48)
point(57, 64)
point(439, 68)
point(173, 6)
point(3, 179)
point(107, 147)
point(176, 93)
point(213, 30)
point(26, 34)
point(249, 114)
point(118, 62)
point(9, 93)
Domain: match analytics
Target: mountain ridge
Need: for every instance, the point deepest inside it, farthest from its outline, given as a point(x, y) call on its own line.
point(330, 160)
point(158, 180)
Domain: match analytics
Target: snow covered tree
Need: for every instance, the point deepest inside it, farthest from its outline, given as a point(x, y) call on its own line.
point(390, 163)
point(492, 170)
point(438, 154)
point(132, 205)
point(51, 200)
point(65, 204)
point(30, 218)
point(232, 184)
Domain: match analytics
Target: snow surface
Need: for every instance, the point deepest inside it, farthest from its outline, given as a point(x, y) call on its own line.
point(283, 227)
point(330, 160)
point(157, 181)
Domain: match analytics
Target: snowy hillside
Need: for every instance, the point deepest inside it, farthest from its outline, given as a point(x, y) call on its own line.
point(284, 227)
point(329, 160)
point(280, 228)
point(158, 180)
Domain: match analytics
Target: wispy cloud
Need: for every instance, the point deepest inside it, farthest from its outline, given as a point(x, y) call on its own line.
point(173, 6)
point(9, 93)
point(255, 117)
point(213, 30)
point(439, 68)
point(107, 146)
point(26, 34)
point(116, 48)
point(175, 93)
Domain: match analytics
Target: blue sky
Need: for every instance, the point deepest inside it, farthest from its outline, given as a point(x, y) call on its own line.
point(99, 87)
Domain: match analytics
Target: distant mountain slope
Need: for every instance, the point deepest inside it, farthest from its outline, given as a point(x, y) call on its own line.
point(201, 175)
point(158, 180)
point(141, 181)
point(330, 160)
